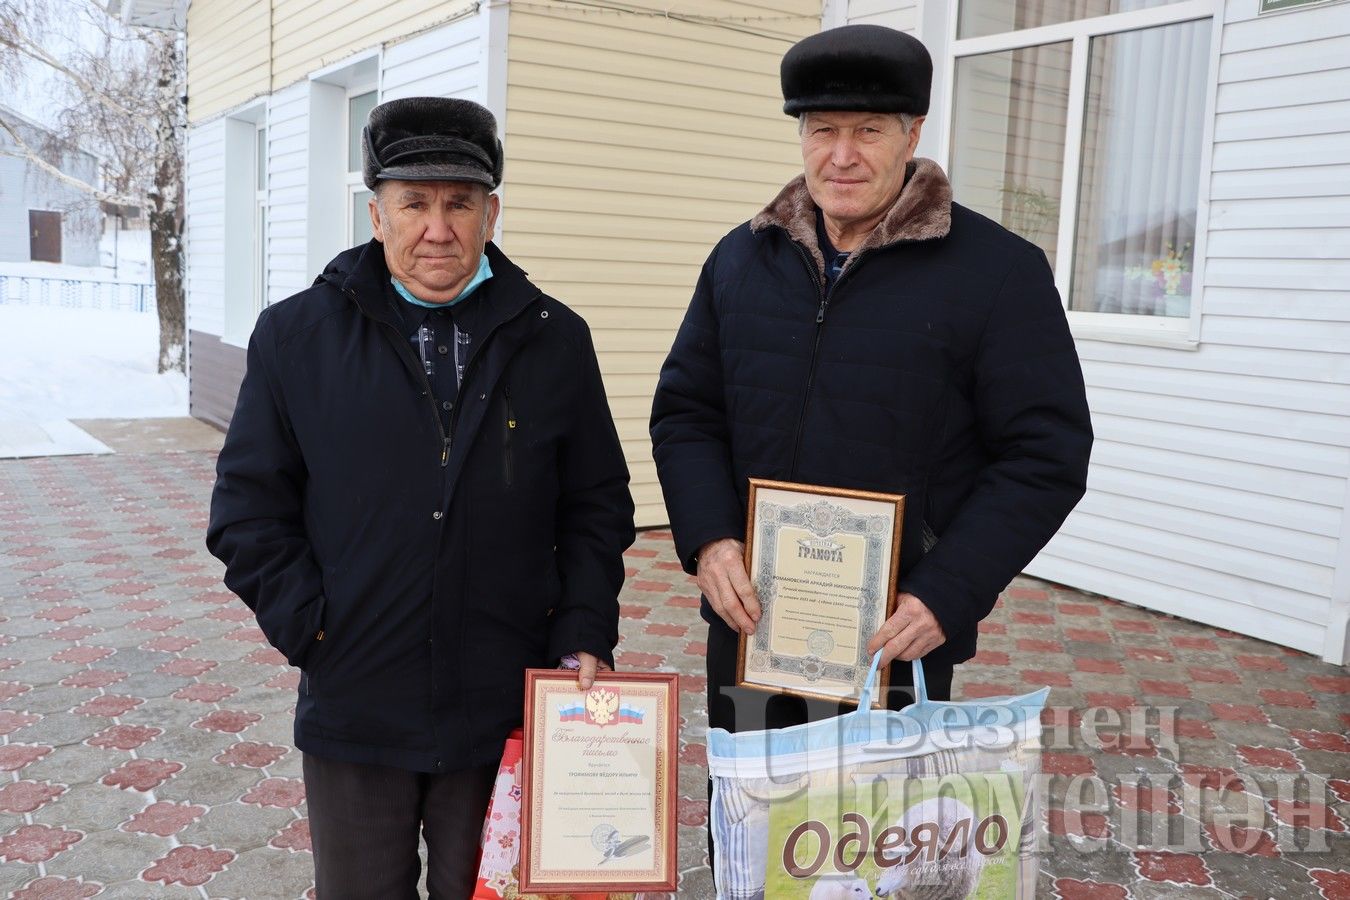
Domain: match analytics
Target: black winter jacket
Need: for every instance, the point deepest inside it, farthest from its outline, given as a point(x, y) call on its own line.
point(939, 366)
point(437, 568)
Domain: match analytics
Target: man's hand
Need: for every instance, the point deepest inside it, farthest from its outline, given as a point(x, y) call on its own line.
point(723, 580)
point(909, 634)
point(589, 666)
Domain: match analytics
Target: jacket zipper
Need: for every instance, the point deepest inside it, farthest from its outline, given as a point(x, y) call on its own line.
point(509, 465)
point(824, 297)
point(406, 355)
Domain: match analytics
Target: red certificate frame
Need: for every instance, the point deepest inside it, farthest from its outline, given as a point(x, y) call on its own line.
point(591, 762)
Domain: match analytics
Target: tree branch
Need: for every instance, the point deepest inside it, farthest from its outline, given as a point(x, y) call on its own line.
point(29, 154)
point(37, 53)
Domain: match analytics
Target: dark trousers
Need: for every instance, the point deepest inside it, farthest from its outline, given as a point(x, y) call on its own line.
point(744, 709)
point(364, 823)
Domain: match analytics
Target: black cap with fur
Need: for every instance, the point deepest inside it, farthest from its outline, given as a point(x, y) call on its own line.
point(432, 139)
point(857, 68)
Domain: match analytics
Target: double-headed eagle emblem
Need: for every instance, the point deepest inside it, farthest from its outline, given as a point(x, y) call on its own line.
point(602, 706)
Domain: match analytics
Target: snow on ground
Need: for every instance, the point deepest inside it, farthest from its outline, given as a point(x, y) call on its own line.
point(83, 364)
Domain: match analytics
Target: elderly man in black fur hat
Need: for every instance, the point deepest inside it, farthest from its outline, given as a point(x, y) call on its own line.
point(863, 331)
point(421, 495)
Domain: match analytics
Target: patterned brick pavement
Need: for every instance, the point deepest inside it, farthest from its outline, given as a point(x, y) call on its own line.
point(145, 725)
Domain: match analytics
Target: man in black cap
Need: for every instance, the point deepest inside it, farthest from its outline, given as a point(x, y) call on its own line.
point(421, 495)
point(863, 331)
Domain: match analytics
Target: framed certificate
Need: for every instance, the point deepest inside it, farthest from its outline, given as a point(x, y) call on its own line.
point(824, 562)
point(598, 808)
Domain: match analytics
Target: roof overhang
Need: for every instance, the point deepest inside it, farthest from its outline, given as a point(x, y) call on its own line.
point(166, 15)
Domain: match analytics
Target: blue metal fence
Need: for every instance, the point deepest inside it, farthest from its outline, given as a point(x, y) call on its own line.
point(73, 293)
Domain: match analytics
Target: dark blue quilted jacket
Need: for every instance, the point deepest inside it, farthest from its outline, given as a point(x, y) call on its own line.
point(939, 366)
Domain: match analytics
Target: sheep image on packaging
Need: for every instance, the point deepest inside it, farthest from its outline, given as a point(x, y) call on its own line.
point(951, 876)
point(834, 887)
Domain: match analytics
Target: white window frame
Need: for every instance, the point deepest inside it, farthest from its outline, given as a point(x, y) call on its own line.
point(329, 228)
point(260, 184)
point(1183, 332)
point(355, 180)
point(246, 258)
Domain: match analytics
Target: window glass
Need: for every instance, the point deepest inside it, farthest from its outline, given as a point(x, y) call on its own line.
point(358, 110)
point(360, 213)
point(977, 18)
point(1008, 135)
point(1140, 176)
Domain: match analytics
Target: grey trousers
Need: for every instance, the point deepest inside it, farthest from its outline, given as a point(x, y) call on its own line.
point(364, 823)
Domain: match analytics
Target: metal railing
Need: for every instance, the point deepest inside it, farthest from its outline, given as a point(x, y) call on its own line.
point(74, 293)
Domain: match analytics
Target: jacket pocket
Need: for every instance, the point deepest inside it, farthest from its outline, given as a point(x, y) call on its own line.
point(312, 662)
point(313, 658)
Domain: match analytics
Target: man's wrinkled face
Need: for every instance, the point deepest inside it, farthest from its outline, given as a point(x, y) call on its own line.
point(855, 163)
point(433, 233)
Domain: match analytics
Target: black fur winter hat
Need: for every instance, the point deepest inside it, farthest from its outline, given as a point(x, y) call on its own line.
point(432, 139)
point(857, 68)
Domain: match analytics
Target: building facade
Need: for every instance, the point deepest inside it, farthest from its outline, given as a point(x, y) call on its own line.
point(1184, 165)
point(42, 218)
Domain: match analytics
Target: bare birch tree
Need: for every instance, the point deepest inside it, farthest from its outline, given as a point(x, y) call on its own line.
point(124, 101)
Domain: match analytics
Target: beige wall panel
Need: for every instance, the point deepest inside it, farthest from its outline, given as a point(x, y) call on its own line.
point(641, 160)
point(544, 175)
point(707, 213)
point(581, 84)
point(700, 46)
point(656, 134)
point(622, 63)
point(544, 269)
point(634, 142)
point(776, 14)
point(315, 37)
point(650, 506)
point(659, 301)
point(227, 54)
point(632, 312)
point(593, 224)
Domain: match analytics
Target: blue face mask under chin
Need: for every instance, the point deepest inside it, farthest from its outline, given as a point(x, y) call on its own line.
point(483, 274)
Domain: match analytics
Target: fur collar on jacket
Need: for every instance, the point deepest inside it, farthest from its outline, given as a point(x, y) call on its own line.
point(922, 212)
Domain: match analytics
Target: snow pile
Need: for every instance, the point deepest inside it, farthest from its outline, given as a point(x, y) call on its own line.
point(83, 364)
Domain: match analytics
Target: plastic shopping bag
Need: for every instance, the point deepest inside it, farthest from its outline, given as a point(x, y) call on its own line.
point(499, 863)
point(936, 801)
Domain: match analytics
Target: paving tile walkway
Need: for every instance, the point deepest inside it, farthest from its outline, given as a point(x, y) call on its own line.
point(145, 726)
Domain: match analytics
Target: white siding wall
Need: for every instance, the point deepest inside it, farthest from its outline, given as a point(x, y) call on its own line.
point(288, 140)
point(443, 62)
point(205, 227)
point(1218, 489)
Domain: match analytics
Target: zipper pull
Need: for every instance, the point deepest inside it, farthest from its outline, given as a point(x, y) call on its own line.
point(445, 453)
point(820, 313)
